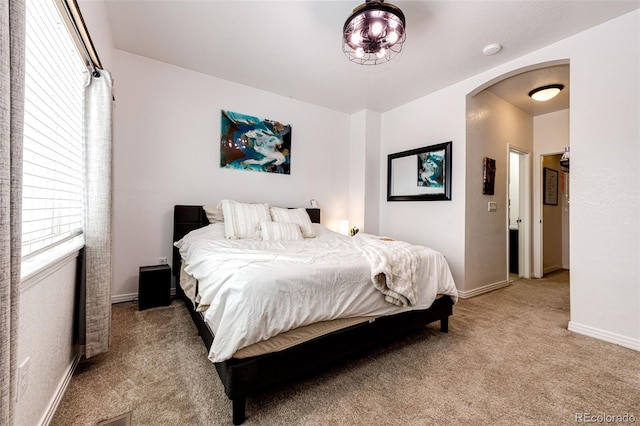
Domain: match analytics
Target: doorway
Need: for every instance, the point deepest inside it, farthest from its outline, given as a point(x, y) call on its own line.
point(554, 232)
point(518, 220)
point(501, 118)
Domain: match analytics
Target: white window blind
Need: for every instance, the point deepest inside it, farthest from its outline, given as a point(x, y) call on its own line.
point(53, 176)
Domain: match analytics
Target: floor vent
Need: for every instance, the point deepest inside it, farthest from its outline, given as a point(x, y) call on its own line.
point(121, 420)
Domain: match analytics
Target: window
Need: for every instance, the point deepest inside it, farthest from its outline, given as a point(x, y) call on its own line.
point(53, 176)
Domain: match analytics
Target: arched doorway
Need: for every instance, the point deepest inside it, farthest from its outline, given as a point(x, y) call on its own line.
point(502, 119)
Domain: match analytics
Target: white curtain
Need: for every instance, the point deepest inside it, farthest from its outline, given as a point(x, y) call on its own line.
point(98, 215)
point(12, 39)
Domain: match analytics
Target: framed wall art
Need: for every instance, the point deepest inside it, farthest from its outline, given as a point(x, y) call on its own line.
point(252, 143)
point(422, 174)
point(550, 177)
point(488, 175)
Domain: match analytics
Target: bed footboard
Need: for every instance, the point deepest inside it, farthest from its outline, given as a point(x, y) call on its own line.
point(246, 378)
point(250, 376)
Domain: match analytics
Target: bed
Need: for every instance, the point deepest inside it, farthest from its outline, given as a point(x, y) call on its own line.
point(246, 373)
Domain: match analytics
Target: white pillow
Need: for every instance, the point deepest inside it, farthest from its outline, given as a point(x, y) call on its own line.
point(214, 213)
point(241, 219)
point(214, 231)
point(321, 230)
point(280, 231)
point(297, 216)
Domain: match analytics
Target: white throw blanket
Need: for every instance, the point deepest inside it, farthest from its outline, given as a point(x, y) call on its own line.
point(394, 266)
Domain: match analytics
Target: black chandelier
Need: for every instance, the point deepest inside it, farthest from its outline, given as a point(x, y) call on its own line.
point(373, 33)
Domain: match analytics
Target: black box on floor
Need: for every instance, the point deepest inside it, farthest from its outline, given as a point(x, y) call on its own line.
point(154, 286)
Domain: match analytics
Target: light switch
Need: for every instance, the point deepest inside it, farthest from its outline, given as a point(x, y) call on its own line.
point(492, 206)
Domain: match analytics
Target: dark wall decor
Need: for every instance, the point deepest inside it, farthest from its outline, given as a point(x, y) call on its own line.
point(422, 174)
point(488, 175)
point(550, 187)
point(252, 143)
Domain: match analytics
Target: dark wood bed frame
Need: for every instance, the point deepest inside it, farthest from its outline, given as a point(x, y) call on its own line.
point(250, 376)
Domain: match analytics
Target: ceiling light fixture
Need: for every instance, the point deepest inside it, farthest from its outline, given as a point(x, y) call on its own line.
point(491, 49)
point(545, 93)
point(373, 33)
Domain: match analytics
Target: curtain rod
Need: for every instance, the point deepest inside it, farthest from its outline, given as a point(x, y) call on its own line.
point(83, 39)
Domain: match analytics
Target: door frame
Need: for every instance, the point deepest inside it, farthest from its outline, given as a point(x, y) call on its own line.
point(538, 258)
point(524, 191)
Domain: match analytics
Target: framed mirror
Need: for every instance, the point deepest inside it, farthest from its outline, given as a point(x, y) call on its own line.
point(421, 174)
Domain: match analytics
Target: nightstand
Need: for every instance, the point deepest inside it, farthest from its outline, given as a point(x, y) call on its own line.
point(154, 286)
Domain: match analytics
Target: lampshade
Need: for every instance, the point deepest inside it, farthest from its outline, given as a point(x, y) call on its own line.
point(545, 93)
point(374, 33)
point(344, 227)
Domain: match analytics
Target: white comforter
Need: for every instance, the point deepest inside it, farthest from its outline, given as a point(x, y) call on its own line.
point(253, 290)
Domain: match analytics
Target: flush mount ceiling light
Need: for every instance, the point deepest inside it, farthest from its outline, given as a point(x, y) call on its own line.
point(491, 49)
point(545, 93)
point(373, 33)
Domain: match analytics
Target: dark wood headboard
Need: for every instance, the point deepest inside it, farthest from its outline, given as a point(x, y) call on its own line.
point(187, 218)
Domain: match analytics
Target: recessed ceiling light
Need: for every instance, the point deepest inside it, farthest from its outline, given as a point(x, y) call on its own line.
point(491, 49)
point(545, 93)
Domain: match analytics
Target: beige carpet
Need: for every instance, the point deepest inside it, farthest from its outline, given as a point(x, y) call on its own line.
point(507, 360)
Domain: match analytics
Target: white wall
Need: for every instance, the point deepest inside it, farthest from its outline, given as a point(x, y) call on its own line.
point(434, 119)
point(364, 171)
point(94, 13)
point(166, 152)
point(605, 189)
point(357, 169)
point(372, 175)
point(605, 237)
point(46, 337)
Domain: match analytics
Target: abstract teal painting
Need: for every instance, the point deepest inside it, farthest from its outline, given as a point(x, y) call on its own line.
point(252, 143)
point(431, 169)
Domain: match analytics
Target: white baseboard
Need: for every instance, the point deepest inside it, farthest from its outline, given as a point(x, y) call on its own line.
point(62, 388)
point(120, 298)
point(607, 336)
point(480, 290)
point(550, 269)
